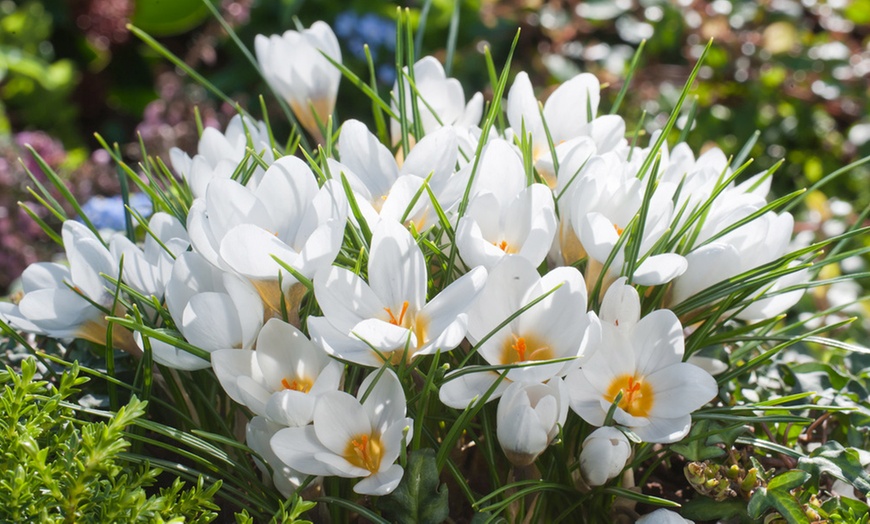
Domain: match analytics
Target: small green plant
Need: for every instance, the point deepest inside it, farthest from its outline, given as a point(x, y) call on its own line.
point(55, 467)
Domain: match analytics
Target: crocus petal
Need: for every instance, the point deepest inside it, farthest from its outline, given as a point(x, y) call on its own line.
point(254, 393)
point(605, 452)
point(621, 305)
point(664, 430)
point(502, 296)
point(283, 352)
point(340, 345)
point(397, 270)
point(229, 365)
point(248, 249)
point(571, 106)
point(42, 275)
point(59, 312)
point(291, 408)
point(680, 389)
point(659, 269)
point(210, 321)
point(338, 419)
point(171, 356)
point(658, 339)
point(385, 403)
point(345, 298)
point(522, 106)
point(384, 336)
point(460, 392)
point(519, 430)
point(452, 302)
point(381, 483)
point(436, 153)
point(706, 266)
point(362, 152)
point(297, 447)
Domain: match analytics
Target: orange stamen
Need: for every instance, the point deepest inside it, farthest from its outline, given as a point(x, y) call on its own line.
point(397, 321)
point(503, 245)
point(365, 452)
point(303, 385)
point(618, 229)
point(525, 349)
point(637, 395)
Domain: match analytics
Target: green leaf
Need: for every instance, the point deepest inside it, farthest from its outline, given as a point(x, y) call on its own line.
point(788, 507)
point(788, 480)
point(839, 462)
point(778, 496)
point(162, 18)
point(758, 504)
point(703, 508)
point(420, 498)
point(697, 450)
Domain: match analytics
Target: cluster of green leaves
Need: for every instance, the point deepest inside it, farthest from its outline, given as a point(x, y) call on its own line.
point(32, 82)
point(56, 467)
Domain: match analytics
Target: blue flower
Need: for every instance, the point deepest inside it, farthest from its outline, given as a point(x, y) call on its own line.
point(386, 74)
point(108, 212)
point(345, 24)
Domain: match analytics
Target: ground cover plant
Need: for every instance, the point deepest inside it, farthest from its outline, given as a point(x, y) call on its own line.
point(459, 308)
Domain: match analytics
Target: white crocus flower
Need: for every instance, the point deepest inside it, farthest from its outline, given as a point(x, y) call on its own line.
point(352, 437)
point(605, 452)
point(258, 437)
point(567, 116)
point(603, 204)
point(212, 309)
point(219, 154)
point(147, 269)
point(574, 166)
point(282, 378)
point(364, 322)
point(440, 100)
point(294, 65)
point(641, 360)
point(529, 417)
point(383, 189)
point(663, 516)
point(557, 327)
point(763, 240)
point(524, 226)
point(64, 302)
point(287, 216)
point(505, 216)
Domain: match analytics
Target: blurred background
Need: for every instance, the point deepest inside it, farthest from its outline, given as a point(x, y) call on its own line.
point(796, 71)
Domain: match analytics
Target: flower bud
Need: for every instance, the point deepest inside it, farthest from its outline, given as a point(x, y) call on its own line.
point(604, 454)
point(528, 418)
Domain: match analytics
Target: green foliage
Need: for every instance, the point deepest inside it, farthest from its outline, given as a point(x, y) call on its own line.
point(777, 495)
point(55, 467)
point(289, 512)
point(841, 463)
point(420, 497)
point(169, 18)
point(32, 82)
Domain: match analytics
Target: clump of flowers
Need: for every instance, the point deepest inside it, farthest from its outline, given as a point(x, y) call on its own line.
point(535, 281)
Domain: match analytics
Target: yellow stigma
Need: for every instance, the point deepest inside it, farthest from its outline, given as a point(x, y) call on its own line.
point(302, 385)
point(525, 349)
point(365, 451)
point(637, 395)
